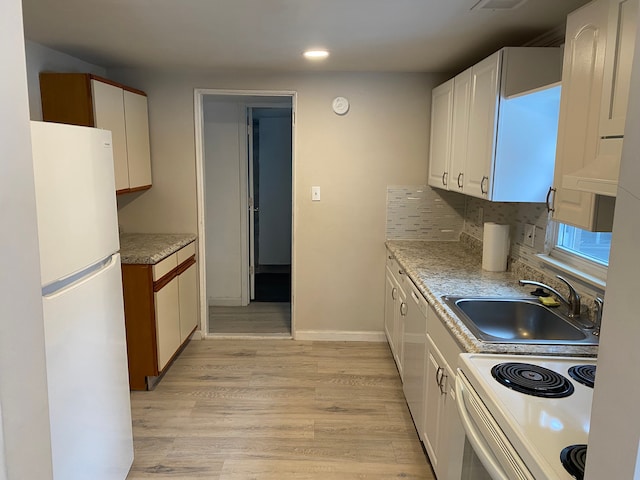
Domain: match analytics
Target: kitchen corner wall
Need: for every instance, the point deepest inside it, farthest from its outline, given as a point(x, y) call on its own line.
point(338, 264)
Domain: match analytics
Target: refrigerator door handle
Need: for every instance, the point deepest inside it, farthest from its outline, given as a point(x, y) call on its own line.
point(60, 286)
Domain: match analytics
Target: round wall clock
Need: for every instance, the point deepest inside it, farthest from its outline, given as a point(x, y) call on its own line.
point(340, 105)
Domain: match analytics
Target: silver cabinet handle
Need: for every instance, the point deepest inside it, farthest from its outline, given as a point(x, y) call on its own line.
point(439, 372)
point(482, 190)
point(550, 208)
point(444, 178)
point(390, 257)
point(394, 293)
point(460, 176)
point(440, 378)
point(403, 309)
point(401, 272)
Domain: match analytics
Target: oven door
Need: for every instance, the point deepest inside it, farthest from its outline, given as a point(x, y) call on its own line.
point(487, 452)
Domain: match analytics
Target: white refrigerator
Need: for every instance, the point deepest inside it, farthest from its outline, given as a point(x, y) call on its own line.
point(86, 356)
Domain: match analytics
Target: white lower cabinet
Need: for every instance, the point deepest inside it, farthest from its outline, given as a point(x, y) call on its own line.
point(414, 352)
point(167, 321)
point(395, 310)
point(427, 356)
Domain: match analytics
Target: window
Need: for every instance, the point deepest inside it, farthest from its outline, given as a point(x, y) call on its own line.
point(591, 246)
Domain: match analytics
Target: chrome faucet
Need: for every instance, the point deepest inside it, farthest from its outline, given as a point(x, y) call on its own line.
point(572, 301)
point(599, 305)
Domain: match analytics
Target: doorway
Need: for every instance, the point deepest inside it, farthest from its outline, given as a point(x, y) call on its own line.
point(270, 204)
point(245, 162)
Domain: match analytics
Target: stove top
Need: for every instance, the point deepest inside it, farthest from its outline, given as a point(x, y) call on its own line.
point(532, 380)
point(538, 427)
point(585, 374)
point(574, 459)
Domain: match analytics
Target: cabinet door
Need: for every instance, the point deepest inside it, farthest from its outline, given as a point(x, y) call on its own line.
point(482, 126)
point(621, 35)
point(460, 129)
point(435, 386)
point(582, 74)
point(440, 147)
point(188, 291)
point(108, 110)
point(398, 329)
point(137, 128)
point(167, 311)
point(390, 298)
point(414, 351)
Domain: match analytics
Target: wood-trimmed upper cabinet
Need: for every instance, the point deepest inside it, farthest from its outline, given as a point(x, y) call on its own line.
point(500, 117)
point(92, 101)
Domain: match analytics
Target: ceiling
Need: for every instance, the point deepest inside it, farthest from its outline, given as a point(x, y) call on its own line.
point(362, 35)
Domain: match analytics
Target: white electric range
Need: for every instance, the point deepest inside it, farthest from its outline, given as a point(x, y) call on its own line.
point(518, 435)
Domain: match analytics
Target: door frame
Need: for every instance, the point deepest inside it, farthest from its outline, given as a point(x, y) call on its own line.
point(199, 94)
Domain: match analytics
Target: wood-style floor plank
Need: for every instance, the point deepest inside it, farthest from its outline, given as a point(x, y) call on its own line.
point(277, 409)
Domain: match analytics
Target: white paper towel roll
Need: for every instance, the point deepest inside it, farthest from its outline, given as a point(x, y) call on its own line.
point(495, 247)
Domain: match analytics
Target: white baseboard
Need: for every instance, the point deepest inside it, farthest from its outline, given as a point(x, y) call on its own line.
point(340, 336)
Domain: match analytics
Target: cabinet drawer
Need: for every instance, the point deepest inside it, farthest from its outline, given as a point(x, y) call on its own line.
point(186, 252)
point(160, 269)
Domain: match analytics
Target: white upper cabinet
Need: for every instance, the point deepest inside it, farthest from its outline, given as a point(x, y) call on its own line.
point(502, 127)
point(600, 39)
point(614, 21)
point(440, 148)
point(481, 135)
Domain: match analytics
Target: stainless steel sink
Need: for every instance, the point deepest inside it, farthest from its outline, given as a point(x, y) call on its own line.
point(518, 320)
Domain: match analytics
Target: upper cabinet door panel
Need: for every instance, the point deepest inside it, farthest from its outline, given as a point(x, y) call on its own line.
point(108, 109)
point(440, 148)
point(137, 128)
point(582, 76)
point(460, 130)
point(617, 68)
point(482, 126)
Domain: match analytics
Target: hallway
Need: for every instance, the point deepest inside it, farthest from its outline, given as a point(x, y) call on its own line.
point(277, 409)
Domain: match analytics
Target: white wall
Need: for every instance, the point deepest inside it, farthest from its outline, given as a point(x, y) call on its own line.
point(43, 59)
point(338, 276)
point(23, 387)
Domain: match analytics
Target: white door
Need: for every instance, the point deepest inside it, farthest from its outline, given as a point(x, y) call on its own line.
point(73, 171)
point(253, 208)
point(87, 377)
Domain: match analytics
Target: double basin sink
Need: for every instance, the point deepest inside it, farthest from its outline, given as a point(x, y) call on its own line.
point(519, 320)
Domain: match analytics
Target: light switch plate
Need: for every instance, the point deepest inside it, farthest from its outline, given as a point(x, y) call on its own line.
point(315, 194)
point(529, 234)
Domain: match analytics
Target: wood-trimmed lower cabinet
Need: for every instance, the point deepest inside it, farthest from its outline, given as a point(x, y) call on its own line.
point(161, 312)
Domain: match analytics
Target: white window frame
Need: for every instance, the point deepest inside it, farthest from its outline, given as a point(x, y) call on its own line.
point(590, 271)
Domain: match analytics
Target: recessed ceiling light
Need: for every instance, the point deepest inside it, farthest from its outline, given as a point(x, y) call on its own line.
point(498, 5)
point(316, 54)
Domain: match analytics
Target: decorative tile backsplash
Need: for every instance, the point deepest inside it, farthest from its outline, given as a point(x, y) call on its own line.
point(419, 212)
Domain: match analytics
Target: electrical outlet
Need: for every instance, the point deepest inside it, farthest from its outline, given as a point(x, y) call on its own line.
point(529, 235)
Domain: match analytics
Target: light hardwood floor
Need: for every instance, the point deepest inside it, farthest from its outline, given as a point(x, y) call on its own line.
point(277, 409)
point(257, 318)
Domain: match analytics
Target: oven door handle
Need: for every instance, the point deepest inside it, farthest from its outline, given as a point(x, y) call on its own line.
point(483, 452)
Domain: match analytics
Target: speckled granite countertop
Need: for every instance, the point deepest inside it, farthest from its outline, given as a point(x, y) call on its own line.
point(151, 248)
point(449, 268)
